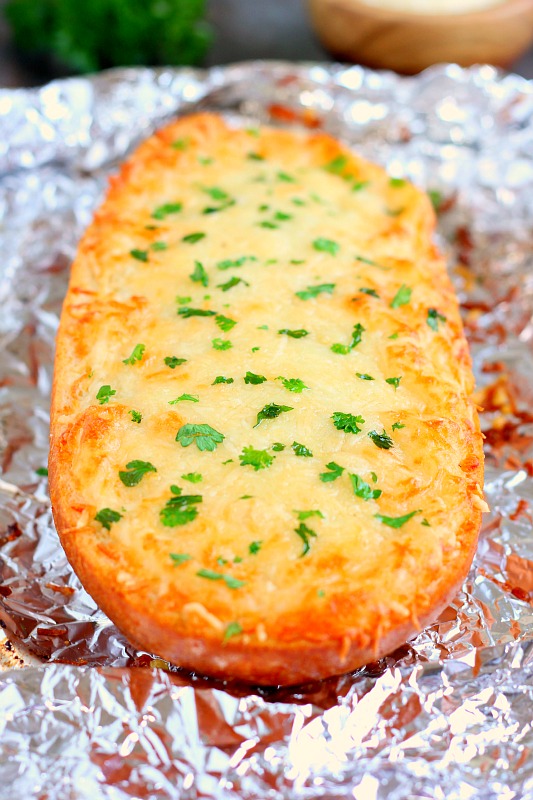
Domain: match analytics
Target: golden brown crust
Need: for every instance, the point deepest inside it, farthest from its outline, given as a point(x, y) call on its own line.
point(249, 593)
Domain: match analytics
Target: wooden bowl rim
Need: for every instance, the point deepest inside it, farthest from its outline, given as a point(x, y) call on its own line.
point(484, 15)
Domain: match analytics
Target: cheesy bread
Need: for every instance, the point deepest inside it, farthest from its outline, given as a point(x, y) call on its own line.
point(266, 462)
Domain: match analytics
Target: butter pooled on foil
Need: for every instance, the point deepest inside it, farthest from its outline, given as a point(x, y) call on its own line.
point(448, 716)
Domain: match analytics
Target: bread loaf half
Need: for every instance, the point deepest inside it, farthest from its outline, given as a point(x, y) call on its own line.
point(266, 462)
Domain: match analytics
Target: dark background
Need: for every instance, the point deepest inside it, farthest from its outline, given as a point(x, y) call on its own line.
point(244, 29)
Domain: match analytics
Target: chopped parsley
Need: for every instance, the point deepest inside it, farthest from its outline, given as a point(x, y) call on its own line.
point(397, 183)
point(313, 291)
point(337, 165)
point(358, 185)
point(347, 422)
point(303, 515)
point(381, 440)
point(161, 212)
point(179, 558)
point(205, 437)
point(135, 472)
point(255, 156)
point(221, 344)
point(295, 385)
point(180, 509)
point(224, 323)
point(255, 547)
point(192, 238)
point(370, 292)
point(136, 355)
point(364, 377)
point(221, 379)
point(136, 416)
point(284, 176)
point(174, 361)
point(193, 398)
point(235, 262)
point(301, 450)
point(326, 246)
point(396, 426)
point(402, 296)
point(140, 255)
point(229, 580)
point(199, 275)
point(233, 629)
point(258, 459)
point(363, 489)
point(181, 144)
point(299, 333)
point(267, 224)
point(158, 246)
point(106, 517)
point(231, 283)
point(192, 477)
point(368, 261)
point(186, 312)
point(305, 534)
point(254, 379)
point(105, 393)
point(433, 318)
point(278, 447)
point(436, 198)
point(216, 193)
point(271, 411)
point(396, 522)
point(182, 300)
point(393, 381)
point(357, 335)
point(335, 471)
point(42, 472)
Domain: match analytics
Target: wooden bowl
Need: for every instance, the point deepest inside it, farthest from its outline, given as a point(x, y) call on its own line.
point(409, 42)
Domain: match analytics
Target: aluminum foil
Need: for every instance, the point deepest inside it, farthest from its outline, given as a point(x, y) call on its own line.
point(446, 716)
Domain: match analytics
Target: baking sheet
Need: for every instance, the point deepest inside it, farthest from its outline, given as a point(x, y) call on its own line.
point(446, 716)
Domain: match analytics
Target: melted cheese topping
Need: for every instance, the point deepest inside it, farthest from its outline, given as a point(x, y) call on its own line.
point(263, 232)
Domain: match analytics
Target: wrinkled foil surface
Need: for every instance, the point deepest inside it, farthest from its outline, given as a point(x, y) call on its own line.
point(449, 714)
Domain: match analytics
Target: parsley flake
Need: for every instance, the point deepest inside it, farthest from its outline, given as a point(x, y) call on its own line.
point(335, 471)
point(231, 283)
point(393, 381)
point(315, 512)
point(271, 411)
point(284, 176)
point(254, 379)
point(233, 629)
point(381, 440)
point(205, 437)
point(193, 398)
point(158, 246)
point(313, 291)
point(136, 355)
point(357, 335)
point(258, 459)
point(397, 183)
point(301, 450)
point(326, 246)
point(42, 472)
point(295, 385)
point(192, 238)
point(161, 212)
point(105, 393)
point(221, 344)
point(363, 489)
point(255, 547)
point(370, 292)
point(199, 275)
point(336, 165)
point(364, 377)
point(106, 517)
point(135, 471)
point(186, 312)
point(140, 255)
point(396, 522)
point(396, 426)
point(433, 319)
point(305, 534)
point(347, 422)
point(181, 144)
point(221, 379)
point(136, 416)
point(224, 323)
point(229, 580)
point(173, 361)
point(235, 262)
point(299, 333)
point(402, 296)
point(180, 509)
point(179, 558)
point(278, 447)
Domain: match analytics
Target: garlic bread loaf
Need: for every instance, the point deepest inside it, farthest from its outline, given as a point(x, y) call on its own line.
point(266, 462)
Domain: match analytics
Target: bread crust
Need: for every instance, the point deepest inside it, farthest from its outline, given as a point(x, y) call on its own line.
point(285, 606)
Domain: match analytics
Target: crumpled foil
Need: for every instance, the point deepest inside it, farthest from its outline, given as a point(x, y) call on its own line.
point(449, 714)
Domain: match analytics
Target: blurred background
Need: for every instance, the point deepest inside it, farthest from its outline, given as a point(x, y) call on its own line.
point(208, 33)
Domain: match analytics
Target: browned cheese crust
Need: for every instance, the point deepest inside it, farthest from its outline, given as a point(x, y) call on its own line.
point(220, 252)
